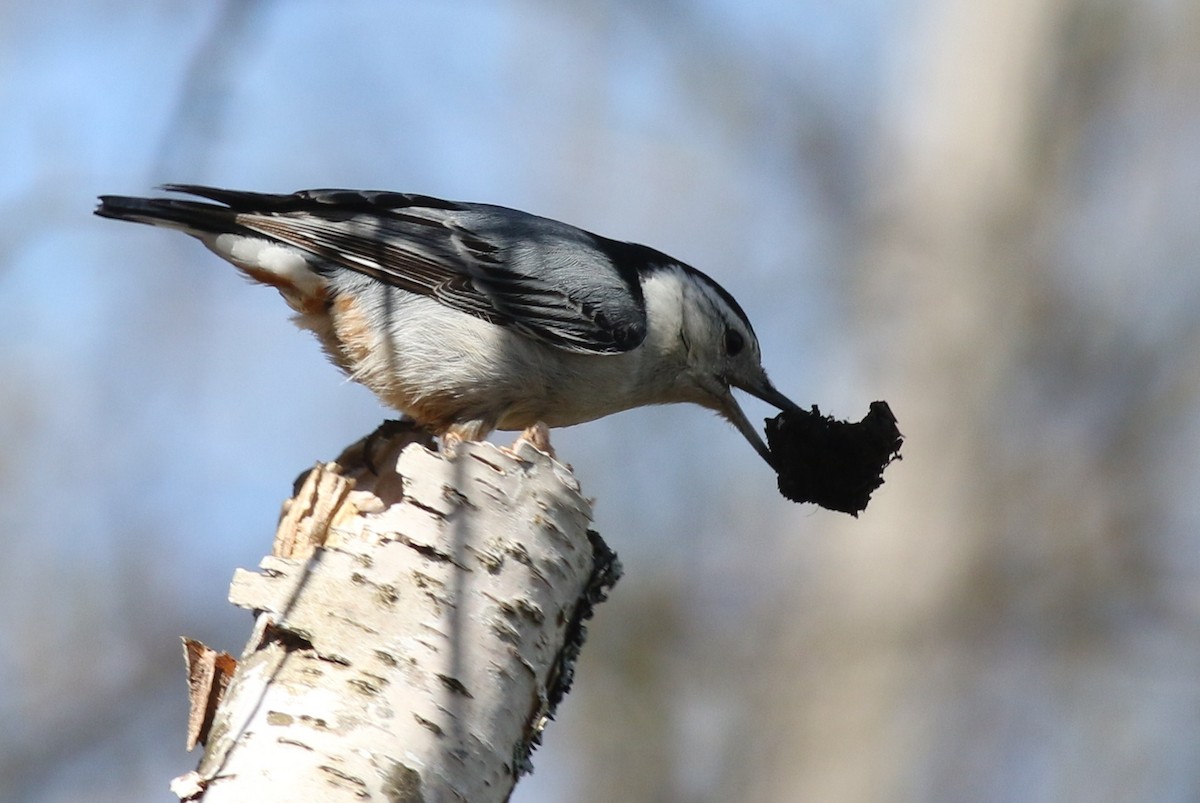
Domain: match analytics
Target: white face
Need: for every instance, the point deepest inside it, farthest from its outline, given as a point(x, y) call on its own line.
point(723, 353)
point(721, 349)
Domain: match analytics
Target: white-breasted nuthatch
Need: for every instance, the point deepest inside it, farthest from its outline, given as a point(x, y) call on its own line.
point(470, 317)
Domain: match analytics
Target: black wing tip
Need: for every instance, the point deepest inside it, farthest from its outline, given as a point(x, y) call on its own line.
point(199, 190)
point(238, 200)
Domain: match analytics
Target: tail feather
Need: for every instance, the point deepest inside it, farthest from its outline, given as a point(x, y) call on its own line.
point(192, 217)
point(257, 255)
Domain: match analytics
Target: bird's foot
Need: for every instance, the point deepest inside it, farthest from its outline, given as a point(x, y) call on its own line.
point(537, 436)
point(462, 433)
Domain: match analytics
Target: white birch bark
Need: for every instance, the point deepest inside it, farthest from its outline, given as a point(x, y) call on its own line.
point(412, 639)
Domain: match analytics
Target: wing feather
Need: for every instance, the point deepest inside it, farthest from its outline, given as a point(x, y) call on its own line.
point(551, 281)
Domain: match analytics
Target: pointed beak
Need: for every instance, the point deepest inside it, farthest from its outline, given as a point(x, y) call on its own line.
point(762, 389)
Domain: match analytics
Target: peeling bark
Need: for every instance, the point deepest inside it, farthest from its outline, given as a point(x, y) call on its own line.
point(414, 629)
point(209, 673)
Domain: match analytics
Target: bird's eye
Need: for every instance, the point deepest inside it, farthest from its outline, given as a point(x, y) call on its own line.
point(734, 342)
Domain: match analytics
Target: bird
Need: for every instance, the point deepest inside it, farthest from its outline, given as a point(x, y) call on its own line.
point(471, 317)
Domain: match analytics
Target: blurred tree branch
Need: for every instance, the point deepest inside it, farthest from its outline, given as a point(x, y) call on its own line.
point(195, 125)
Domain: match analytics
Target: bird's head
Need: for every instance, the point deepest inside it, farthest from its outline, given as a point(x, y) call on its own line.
point(720, 353)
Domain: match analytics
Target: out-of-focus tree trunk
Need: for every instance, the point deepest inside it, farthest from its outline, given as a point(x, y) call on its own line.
point(946, 281)
point(414, 631)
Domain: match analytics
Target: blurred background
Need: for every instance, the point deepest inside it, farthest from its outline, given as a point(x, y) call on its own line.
point(987, 214)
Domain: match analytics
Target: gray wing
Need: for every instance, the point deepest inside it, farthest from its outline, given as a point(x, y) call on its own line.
point(559, 284)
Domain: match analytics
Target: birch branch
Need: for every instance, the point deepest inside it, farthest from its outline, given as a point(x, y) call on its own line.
point(414, 630)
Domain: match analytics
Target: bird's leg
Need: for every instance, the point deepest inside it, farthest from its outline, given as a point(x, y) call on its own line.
point(537, 436)
point(458, 433)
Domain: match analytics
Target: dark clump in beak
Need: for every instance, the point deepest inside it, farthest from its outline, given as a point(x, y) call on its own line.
point(836, 464)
